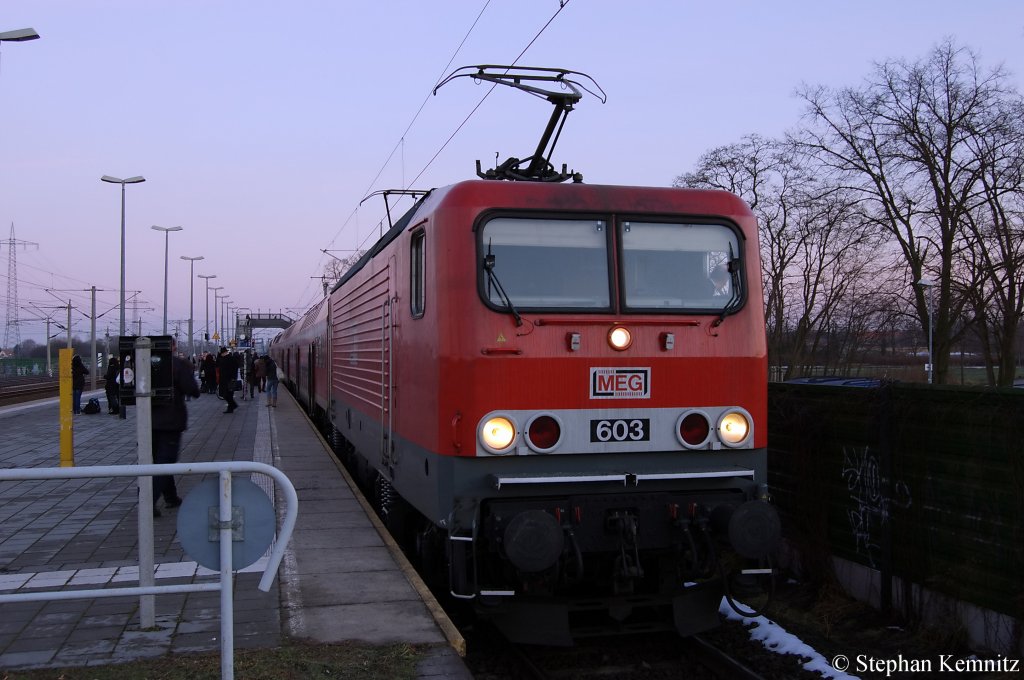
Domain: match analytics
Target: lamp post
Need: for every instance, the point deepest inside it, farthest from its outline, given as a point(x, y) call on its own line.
point(216, 306)
point(167, 239)
point(122, 182)
point(224, 318)
point(218, 315)
point(19, 35)
point(227, 320)
point(928, 284)
point(191, 280)
point(232, 321)
point(206, 338)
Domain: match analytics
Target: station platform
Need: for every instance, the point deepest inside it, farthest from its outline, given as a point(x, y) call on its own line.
point(342, 578)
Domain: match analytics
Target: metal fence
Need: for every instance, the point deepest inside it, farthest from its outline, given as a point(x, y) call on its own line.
point(924, 483)
point(225, 528)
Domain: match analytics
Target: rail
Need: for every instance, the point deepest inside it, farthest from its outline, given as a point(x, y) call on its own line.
point(20, 393)
point(225, 536)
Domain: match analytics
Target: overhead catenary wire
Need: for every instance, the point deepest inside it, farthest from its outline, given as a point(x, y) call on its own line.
point(402, 138)
point(79, 294)
point(562, 5)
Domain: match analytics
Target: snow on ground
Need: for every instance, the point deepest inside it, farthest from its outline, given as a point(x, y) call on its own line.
point(774, 637)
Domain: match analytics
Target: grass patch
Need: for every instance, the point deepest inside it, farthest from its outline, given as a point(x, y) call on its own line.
point(293, 660)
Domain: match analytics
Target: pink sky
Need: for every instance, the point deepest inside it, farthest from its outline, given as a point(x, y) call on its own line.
point(260, 126)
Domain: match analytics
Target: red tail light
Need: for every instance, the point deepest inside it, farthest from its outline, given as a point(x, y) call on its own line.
point(694, 429)
point(544, 433)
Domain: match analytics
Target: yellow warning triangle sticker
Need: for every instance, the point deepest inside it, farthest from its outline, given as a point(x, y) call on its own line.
point(501, 338)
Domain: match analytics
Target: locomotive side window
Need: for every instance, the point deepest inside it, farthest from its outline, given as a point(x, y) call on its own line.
point(546, 263)
point(417, 274)
point(672, 266)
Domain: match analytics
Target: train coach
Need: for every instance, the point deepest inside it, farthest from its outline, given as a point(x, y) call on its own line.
point(557, 393)
point(299, 352)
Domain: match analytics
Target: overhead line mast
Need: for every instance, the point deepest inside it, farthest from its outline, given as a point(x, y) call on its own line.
point(12, 330)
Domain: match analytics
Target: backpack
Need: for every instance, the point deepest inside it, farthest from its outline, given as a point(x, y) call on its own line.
point(93, 406)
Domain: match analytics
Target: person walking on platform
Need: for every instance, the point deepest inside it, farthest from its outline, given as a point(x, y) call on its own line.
point(252, 377)
point(169, 420)
point(78, 373)
point(261, 374)
point(270, 366)
point(111, 386)
point(227, 366)
point(209, 373)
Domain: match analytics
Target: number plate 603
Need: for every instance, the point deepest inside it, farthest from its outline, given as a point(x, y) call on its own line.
point(621, 430)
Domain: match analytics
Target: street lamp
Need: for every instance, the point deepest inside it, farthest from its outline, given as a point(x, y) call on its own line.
point(232, 320)
point(191, 280)
point(122, 182)
point(206, 338)
point(218, 315)
point(216, 306)
point(928, 284)
point(167, 238)
point(224, 318)
point(19, 35)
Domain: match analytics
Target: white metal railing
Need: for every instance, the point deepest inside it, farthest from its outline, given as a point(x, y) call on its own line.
point(224, 470)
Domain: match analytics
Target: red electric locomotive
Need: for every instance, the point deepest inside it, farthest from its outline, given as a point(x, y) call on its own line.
point(559, 392)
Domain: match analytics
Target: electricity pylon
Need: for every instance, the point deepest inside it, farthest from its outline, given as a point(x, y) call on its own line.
point(12, 331)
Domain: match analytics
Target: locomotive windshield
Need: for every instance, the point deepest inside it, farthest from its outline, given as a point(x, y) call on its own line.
point(542, 263)
point(564, 264)
point(677, 266)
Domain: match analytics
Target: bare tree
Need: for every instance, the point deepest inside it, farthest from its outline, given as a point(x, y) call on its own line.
point(756, 170)
point(840, 270)
point(994, 241)
point(907, 143)
point(336, 267)
point(816, 249)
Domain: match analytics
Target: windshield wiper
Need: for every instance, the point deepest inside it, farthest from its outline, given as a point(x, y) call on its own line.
point(734, 268)
point(492, 278)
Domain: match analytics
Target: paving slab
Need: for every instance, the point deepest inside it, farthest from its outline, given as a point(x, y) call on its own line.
point(341, 580)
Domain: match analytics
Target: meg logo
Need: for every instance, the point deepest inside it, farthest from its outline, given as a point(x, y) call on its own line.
point(620, 383)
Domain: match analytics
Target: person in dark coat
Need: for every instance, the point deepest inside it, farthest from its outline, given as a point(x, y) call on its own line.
point(111, 386)
point(169, 421)
point(210, 373)
point(270, 366)
point(78, 373)
point(227, 367)
point(252, 378)
point(261, 373)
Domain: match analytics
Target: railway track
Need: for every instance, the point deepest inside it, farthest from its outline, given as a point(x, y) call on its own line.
point(718, 661)
point(21, 393)
point(666, 656)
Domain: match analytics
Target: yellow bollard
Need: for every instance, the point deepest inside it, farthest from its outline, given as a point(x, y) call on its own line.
point(67, 420)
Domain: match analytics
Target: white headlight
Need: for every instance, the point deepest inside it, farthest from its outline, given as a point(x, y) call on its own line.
point(497, 434)
point(734, 427)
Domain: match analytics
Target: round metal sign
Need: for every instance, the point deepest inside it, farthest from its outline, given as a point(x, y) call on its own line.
point(253, 523)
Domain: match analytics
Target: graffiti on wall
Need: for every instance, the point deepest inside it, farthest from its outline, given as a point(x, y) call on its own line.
point(870, 506)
